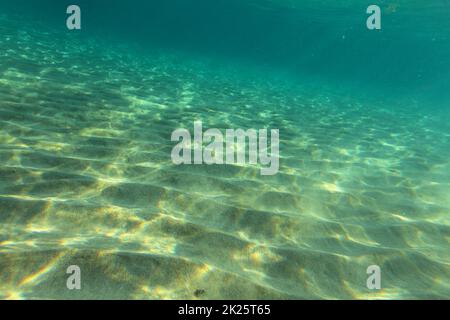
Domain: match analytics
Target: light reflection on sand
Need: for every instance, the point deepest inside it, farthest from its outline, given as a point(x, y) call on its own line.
point(86, 179)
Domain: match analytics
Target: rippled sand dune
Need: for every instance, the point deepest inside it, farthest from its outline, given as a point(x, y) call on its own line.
point(86, 179)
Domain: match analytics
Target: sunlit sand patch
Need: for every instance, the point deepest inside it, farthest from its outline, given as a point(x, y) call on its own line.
point(39, 228)
point(344, 152)
point(13, 295)
point(73, 242)
point(7, 244)
point(51, 146)
point(162, 293)
point(402, 218)
point(385, 294)
point(202, 271)
point(101, 132)
point(256, 255)
point(393, 146)
point(331, 187)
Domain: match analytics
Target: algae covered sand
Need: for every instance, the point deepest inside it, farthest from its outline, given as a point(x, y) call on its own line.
point(86, 179)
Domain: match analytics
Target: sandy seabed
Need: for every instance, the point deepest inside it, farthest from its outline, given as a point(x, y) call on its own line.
point(86, 179)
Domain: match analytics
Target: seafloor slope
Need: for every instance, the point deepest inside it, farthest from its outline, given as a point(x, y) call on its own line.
point(86, 179)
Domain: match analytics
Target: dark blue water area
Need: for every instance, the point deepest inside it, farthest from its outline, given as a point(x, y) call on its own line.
point(408, 57)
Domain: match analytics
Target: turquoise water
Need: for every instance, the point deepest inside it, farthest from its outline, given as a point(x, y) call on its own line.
point(87, 179)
